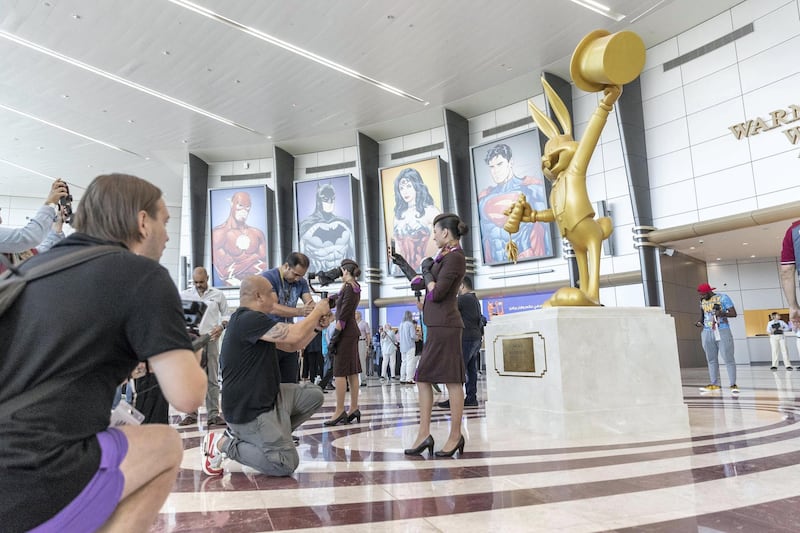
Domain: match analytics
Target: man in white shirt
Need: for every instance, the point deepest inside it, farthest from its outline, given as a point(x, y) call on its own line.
point(212, 323)
point(775, 329)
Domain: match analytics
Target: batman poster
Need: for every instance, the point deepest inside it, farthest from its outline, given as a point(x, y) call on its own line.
point(325, 221)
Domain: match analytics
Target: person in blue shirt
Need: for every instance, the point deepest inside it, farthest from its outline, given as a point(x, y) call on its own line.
point(290, 285)
point(716, 336)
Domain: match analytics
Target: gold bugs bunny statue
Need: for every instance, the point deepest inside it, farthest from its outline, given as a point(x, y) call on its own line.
point(601, 62)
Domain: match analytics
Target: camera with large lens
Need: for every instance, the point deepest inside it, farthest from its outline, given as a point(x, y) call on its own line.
point(776, 328)
point(66, 206)
point(326, 277)
point(192, 315)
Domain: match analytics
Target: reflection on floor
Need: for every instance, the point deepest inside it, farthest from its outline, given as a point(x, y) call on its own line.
point(737, 470)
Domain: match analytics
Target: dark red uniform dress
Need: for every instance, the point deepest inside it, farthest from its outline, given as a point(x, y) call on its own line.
point(441, 360)
point(346, 361)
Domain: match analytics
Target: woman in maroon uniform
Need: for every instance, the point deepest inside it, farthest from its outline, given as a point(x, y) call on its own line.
point(441, 360)
point(344, 343)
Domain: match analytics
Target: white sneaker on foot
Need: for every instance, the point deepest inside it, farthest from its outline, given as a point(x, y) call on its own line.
point(212, 457)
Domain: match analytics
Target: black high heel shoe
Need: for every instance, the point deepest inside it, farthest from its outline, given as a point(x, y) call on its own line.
point(341, 418)
point(427, 443)
point(459, 448)
point(355, 414)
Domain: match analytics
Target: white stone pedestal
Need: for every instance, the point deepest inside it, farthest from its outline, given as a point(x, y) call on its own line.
point(598, 371)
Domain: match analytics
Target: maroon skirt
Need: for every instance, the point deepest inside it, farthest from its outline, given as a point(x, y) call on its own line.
point(441, 360)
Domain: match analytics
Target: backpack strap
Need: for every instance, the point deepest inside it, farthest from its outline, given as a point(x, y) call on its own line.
point(69, 260)
point(46, 388)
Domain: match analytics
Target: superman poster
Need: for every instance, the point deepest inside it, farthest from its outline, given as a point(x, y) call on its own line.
point(325, 229)
point(504, 169)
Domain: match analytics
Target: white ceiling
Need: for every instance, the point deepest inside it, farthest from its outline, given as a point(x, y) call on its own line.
point(466, 55)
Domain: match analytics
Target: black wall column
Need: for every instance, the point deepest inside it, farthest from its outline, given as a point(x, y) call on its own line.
point(630, 119)
point(371, 220)
point(456, 132)
point(284, 204)
point(198, 194)
point(564, 91)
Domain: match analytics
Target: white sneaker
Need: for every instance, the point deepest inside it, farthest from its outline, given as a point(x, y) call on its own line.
point(212, 457)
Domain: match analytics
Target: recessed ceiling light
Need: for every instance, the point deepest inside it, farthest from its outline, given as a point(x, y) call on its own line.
point(40, 147)
point(752, 256)
point(76, 16)
point(131, 121)
point(745, 243)
point(269, 136)
point(258, 34)
point(113, 77)
point(691, 247)
point(165, 52)
point(64, 96)
point(719, 259)
point(185, 141)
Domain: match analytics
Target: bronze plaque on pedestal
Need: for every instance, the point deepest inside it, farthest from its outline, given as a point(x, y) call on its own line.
point(518, 355)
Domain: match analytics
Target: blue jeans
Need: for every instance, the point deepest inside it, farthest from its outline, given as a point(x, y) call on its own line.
point(470, 348)
point(714, 348)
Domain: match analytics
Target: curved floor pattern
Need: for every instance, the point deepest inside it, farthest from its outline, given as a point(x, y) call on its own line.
point(736, 469)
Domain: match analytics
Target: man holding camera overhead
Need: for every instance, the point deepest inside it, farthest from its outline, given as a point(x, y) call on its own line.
point(290, 285)
point(717, 339)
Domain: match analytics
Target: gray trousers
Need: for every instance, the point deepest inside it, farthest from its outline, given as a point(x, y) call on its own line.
point(266, 442)
point(714, 348)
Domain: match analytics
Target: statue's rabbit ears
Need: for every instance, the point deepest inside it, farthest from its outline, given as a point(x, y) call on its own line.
point(546, 125)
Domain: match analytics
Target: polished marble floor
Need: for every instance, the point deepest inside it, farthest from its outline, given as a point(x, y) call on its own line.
point(737, 469)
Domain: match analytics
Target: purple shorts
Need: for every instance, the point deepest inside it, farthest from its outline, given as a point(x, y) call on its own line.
point(98, 500)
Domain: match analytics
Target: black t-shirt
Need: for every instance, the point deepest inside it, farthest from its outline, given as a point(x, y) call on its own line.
point(95, 320)
point(470, 309)
point(249, 365)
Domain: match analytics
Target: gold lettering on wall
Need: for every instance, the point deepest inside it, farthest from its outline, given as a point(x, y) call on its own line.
point(777, 118)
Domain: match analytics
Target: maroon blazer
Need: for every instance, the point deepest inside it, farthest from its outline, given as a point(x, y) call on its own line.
point(441, 304)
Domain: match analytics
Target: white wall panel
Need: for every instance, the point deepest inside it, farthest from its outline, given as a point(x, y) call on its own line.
point(724, 276)
point(761, 275)
point(664, 108)
point(704, 33)
point(789, 194)
point(656, 82)
point(760, 299)
point(621, 210)
point(770, 30)
point(723, 210)
point(612, 155)
point(673, 199)
point(511, 112)
point(667, 138)
point(670, 221)
point(754, 9)
point(661, 53)
point(718, 155)
point(706, 64)
point(616, 180)
point(725, 186)
point(670, 168)
point(770, 174)
point(710, 90)
point(713, 122)
point(769, 66)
